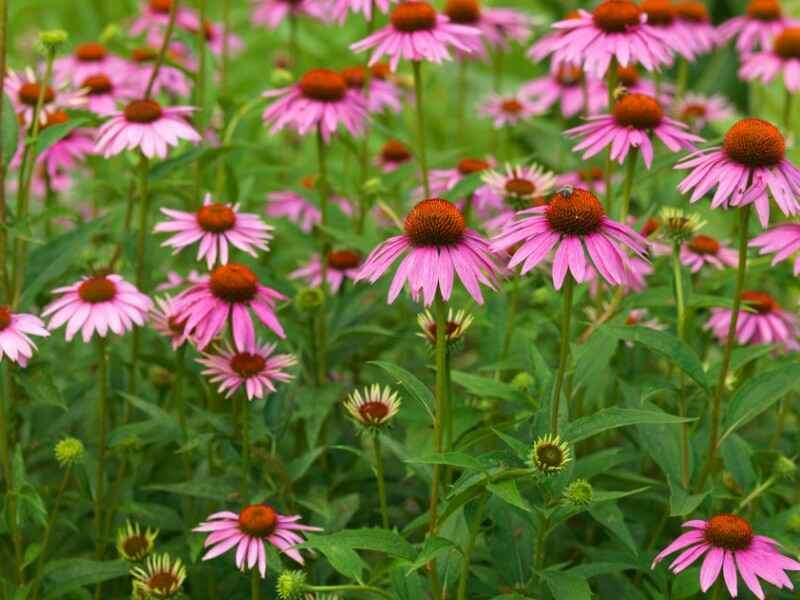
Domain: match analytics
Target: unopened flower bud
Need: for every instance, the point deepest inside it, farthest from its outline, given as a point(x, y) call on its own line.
point(309, 299)
point(291, 585)
point(69, 451)
point(52, 39)
point(579, 492)
point(280, 77)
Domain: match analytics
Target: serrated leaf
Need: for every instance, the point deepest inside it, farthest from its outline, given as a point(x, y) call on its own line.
point(611, 418)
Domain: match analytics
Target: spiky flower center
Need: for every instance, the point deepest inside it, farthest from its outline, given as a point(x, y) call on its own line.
point(233, 283)
point(703, 244)
point(381, 71)
point(258, 520)
point(591, 175)
point(98, 85)
point(765, 10)
point(136, 546)
point(323, 85)
point(693, 110)
point(143, 55)
point(373, 412)
point(343, 260)
point(615, 16)
point(650, 227)
point(660, 13)
point(638, 111)
point(730, 532)
point(97, 289)
point(694, 12)
point(161, 6)
point(628, 76)
point(754, 143)
point(435, 222)
point(142, 111)
point(5, 317)
point(247, 365)
point(468, 166)
point(511, 106)
point(450, 328)
point(787, 44)
point(463, 12)
point(549, 456)
point(90, 52)
point(518, 186)
point(395, 152)
point(309, 182)
point(29, 93)
point(216, 218)
point(760, 302)
point(574, 212)
point(569, 75)
point(355, 77)
point(409, 17)
point(57, 117)
point(163, 582)
point(176, 326)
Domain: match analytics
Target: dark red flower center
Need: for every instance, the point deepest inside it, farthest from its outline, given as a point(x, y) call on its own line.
point(730, 532)
point(374, 412)
point(395, 152)
point(511, 106)
point(163, 582)
point(142, 111)
point(176, 326)
point(258, 520)
point(435, 222)
point(57, 117)
point(29, 94)
point(693, 110)
point(632, 319)
point(309, 182)
point(90, 52)
point(638, 111)
point(787, 44)
point(161, 6)
point(343, 260)
point(628, 76)
point(660, 13)
point(574, 212)
point(409, 17)
point(694, 12)
point(381, 71)
point(517, 186)
point(468, 166)
point(216, 217)
point(703, 244)
point(650, 227)
point(355, 77)
point(5, 317)
point(569, 75)
point(233, 283)
point(760, 302)
point(323, 85)
point(97, 289)
point(765, 10)
point(615, 16)
point(136, 546)
point(463, 12)
point(550, 455)
point(98, 85)
point(247, 365)
point(754, 143)
point(450, 328)
point(143, 55)
point(591, 175)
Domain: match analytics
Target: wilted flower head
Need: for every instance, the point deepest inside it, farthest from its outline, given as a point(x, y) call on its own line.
point(374, 407)
point(549, 454)
point(69, 451)
point(457, 325)
point(132, 544)
point(161, 577)
point(677, 225)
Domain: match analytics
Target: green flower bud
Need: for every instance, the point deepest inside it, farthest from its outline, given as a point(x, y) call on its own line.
point(523, 381)
point(579, 492)
point(785, 467)
point(373, 186)
point(291, 585)
point(160, 377)
point(280, 78)
point(309, 299)
point(793, 522)
point(52, 39)
point(69, 451)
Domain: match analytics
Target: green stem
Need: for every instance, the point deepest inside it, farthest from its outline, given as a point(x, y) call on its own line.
point(322, 314)
point(180, 402)
point(224, 61)
point(683, 78)
point(6, 286)
point(787, 111)
point(473, 536)
point(376, 443)
point(348, 588)
point(513, 302)
point(680, 303)
point(541, 543)
point(422, 154)
point(255, 585)
point(245, 430)
point(11, 496)
point(763, 487)
point(141, 248)
point(564, 353)
point(102, 407)
point(611, 79)
point(51, 519)
point(780, 425)
point(294, 47)
point(627, 187)
point(462, 99)
point(713, 435)
point(200, 93)
point(162, 53)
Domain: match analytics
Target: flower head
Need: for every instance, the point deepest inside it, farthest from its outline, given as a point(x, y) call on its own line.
point(24, 89)
point(343, 264)
point(662, 16)
point(257, 369)
point(508, 110)
point(519, 186)
point(377, 85)
point(15, 332)
point(456, 326)
point(696, 110)
point(695, 26)
point(570, 88)
point(591, 178)
point(132, 544)
point(169, 79)
point(248, 530)
point(374, 407)
point(69, 451)
point(87, 59)
point(339, 9)
point(160, 577)
point(704, 250)
point(676, 225)
point(761, 321)
point(783, 58)
point(761, 22)
point(271, 13)
point(393, 155)
point(162, 319)
point(730, 547)
point(549, 454)
point(496, 25)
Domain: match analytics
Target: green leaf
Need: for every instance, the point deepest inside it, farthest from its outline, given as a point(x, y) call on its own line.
point(738, 458)
point(611, 418)
point(672, 348)
point(10, 131)
point(413, 385)
point(37, 381)
point(483, 387)
point(453, 459)
point(521, 449)
point(567, 585)
point(433, 548)
point(610, 516)
point(208, 489)
point(508, 492)
point(757, 394)
point(740, 357)
point(593, 357)
point(50, 135)
point(170, 165)
point(367, 538)
point(406, 585)
point(681, 502)
point(708, 301)
point(64, 576)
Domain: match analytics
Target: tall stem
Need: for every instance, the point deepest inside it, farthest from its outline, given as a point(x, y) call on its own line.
point(8, 474)
point(294, 47)
point(51, 519)
point(422, 153)
point(4, 283)
point(223, 67)
point(102, 411)
point(513, 302)
point(680, 303)
point(683, 78)
point(473, 535)
point(322, 313)
point(462, 98)
point(255, 585)
point(245, 429)
point(200, 91)
point(627, 187)
point(611, 79)
point(180, 402)
point(713, 434)
point(162, 53)
point(787, 111)
point(364, 158)
point(141, 247)
point(566, 319)
point(376, 444)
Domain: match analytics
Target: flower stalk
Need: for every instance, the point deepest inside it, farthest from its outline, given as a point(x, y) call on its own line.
point(680, 303)
point(422, 155)
point(162, 52)
point(324, 196)
point(379, 476)
point(102, 407)
point(566, 320)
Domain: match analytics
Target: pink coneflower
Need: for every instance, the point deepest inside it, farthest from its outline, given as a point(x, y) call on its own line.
point(321, 99)
point(299, 209)
point(162, 318)
point(439, 246)
point(483, 199)
point(750, 165)
point(696, 110)
point(176, 280)
point(154, 17)
point(394, 154)
point(104, 89)
point(729, 546)
point(342, 265)
point(97, 303)
point(633, 119)
point(518, 188)
point(590, 178)
point(339, 9)
point(207, 307)
point(636, 274)
point(270, 13)
point(213, 226)
point(783, 240)
point(698, 30)
point(86, 60)
point(630, 78)
point(762, 21)
point(382, 94)
point(572, 223)
point(169, 79)
point(616, 29)
point(147, 126)
point(66, 153)
point(508, 110)
point(782, 57)
point(663, 17)
point(23, 91)
point(257, 369)
point(703, 250)
point(215, 35)
point(570, 88)
point(416, 32)
point(14, 331)
point(254, 525)
point(765, 323)
point(496, 25)
point(548, 43)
